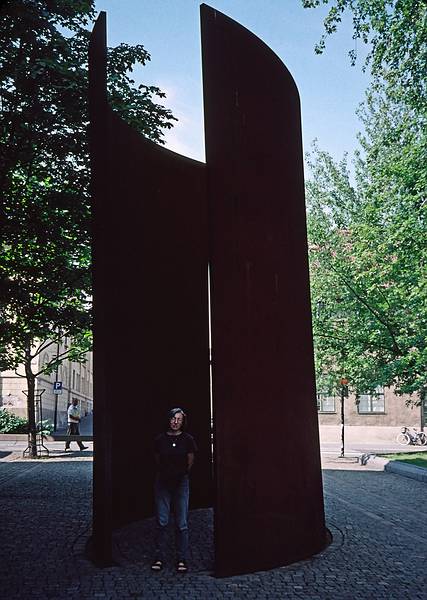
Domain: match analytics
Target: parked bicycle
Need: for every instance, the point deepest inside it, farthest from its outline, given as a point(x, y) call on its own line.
point(414, 437)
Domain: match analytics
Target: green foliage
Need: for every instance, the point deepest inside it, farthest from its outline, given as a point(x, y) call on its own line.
point(396, 31)
point(369, 258)
point(10, 423)
point(45, 427)
point(418, 459)
point(45, 259)
point(367, 240)
point(45, 265)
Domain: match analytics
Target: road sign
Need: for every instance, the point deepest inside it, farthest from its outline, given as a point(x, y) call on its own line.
point(57, 387)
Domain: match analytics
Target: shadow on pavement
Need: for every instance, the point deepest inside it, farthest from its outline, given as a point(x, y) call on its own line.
point(3, 454)
point(134, 544)
point(70, 453)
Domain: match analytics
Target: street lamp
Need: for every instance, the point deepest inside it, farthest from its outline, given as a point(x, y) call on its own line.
point(55, 414)
point(344, 394)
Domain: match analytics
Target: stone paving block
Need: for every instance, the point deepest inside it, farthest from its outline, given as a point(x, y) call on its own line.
point(377, 519)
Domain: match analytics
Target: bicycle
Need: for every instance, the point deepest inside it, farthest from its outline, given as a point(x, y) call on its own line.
point(407, 437)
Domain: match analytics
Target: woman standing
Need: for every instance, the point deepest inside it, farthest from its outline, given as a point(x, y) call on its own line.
point(174, 452)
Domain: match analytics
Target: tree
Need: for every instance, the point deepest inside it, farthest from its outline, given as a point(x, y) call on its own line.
point(367, 241)
point(392, 175)
point(396, 32)
point(369, 258)
point(45, 266)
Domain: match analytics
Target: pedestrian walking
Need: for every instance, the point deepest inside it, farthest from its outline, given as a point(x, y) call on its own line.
point(73, 424)
point(174, 454)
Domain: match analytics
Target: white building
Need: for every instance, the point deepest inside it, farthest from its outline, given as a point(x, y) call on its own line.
point(76, 379)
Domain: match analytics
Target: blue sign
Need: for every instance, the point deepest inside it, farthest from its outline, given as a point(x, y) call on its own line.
point(57, 387)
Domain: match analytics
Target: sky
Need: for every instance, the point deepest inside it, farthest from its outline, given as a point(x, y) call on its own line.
point(330, 88)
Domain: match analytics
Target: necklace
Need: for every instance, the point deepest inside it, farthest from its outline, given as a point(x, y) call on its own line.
point(173, 436)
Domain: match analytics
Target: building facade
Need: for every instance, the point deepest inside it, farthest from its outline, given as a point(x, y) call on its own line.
point(383, 408)
point(75, 380)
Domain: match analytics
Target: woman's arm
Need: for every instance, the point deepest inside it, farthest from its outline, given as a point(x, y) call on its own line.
point(190, 460)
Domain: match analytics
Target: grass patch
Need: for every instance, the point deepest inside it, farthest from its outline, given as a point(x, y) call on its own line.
point(419, 459)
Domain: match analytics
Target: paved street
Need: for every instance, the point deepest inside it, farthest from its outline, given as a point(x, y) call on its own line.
point(378, 521)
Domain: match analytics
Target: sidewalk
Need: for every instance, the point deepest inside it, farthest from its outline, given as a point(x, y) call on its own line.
point(359, 433)
point(359, 439)
point(378, 521)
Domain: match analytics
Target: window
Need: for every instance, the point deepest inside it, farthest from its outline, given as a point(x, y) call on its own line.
point(371, 403)
point(325, 403)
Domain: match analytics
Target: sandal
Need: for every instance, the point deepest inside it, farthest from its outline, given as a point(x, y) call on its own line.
point(181, 567)
point(157, 565)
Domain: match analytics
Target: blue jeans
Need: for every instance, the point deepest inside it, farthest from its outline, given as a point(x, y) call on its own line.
point(177, 495)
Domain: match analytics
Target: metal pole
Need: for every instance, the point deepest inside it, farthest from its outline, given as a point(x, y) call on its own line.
point(55, 414)
point(423, 396)
point(342, 421)
point(41, 445)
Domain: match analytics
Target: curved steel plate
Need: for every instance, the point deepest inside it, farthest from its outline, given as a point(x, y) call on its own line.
point(269, 503)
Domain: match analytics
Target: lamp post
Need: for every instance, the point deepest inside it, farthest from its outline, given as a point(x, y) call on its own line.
point(344, 394)
point(55, 414)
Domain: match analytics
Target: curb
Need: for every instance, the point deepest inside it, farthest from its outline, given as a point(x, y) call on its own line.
point(54, 437)
point(395, 466)
point(411, 471)
point(62, 437)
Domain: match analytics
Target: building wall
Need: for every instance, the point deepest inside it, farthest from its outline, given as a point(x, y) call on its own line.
point(77, 382)
point(395, 412)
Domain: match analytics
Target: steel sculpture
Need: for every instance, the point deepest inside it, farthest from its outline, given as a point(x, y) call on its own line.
point(150, 309)
point(159, 219)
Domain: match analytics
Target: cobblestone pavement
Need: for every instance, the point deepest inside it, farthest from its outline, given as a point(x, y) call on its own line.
point(378, 521)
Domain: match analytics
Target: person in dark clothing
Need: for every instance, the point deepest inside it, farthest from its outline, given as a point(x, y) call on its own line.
point(174, 452)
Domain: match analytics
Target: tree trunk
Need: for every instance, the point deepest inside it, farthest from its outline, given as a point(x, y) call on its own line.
point(31, 409)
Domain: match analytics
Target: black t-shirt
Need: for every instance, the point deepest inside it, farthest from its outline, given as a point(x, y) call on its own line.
point(173, 450)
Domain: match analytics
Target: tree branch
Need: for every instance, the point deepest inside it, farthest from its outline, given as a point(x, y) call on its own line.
point(19, 375)
point(345, 340)
point(375, 313)
point(41, 348)
point(58, 359)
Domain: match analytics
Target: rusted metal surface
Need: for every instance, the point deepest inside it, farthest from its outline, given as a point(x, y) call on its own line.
point(151, 312)
point(159, 218)
point(269, 503)
point(101, 550)
point(159, 313)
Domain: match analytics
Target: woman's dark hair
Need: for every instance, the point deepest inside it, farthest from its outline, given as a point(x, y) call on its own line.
point(175, 411)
